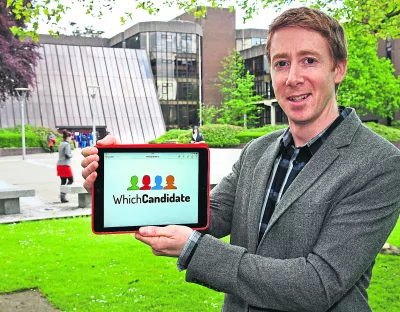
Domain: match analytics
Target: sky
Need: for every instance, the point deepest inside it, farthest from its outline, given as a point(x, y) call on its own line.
point(111, 25)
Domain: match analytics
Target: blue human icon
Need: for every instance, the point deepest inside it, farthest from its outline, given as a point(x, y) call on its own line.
point(158, 181)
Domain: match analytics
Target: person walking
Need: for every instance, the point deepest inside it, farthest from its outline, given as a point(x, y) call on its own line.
point(64, 163)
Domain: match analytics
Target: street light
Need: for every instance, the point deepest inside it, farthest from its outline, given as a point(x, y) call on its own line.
point(22, 95)
point(92, 93)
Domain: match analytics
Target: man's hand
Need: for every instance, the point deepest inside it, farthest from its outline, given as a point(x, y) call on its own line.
point(90, 162)
point(165, 241)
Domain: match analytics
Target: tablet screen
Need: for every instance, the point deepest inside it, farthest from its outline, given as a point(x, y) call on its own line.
point(151, 188)
point(140, 185)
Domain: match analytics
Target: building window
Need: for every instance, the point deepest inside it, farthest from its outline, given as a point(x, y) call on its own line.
point(257, 41)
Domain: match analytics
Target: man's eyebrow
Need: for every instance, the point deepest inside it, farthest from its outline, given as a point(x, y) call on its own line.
point(300, 53)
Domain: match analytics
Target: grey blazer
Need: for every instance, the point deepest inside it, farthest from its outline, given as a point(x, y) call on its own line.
point(319, 249)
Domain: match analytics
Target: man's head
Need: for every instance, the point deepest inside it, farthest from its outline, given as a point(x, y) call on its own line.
point(308, 60)
point(318, 21)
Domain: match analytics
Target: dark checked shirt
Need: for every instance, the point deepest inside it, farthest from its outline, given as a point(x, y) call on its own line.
point(288, 164)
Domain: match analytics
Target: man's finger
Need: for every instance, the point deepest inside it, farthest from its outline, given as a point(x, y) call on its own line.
point(87, 151)
point(108, 140)
point(154, 231)
point(88, 184)
point(89, 159)
point(89, 169)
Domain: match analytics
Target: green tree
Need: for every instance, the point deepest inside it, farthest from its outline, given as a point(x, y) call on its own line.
point(239, 104)
point(208, 114)
point(370, 84)
point(379, 17)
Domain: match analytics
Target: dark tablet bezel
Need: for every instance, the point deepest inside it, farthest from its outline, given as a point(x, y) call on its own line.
point(203, 183)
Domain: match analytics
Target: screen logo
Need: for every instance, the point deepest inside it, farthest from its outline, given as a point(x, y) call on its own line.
point(146, 181)
point(147, 185)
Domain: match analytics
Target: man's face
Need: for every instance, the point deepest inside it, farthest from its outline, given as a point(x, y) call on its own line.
point(303, 76)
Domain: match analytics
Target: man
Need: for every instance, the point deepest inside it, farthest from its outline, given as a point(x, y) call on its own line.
point(307, 208)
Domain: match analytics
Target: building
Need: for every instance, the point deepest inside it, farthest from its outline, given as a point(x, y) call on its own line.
point(125, 105)
point(174, 51)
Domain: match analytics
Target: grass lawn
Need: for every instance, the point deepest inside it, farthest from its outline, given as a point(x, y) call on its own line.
point(79, 271)
point(384, 292)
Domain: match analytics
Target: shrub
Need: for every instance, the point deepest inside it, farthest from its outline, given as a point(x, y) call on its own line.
point(34, 137)
point(216, 135)
point(171, 135)
point(245, 137)
point(389, 133)
point(251, 134)
point(10, 140)
point(267, 128)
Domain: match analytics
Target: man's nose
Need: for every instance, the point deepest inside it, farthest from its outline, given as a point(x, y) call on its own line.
point(295, 76)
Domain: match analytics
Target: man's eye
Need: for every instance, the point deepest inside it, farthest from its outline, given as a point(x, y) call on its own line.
point(280, 63)
point(309, 60)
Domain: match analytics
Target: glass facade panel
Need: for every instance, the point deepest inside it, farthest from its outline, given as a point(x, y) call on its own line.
point(173, 41)
point(143, 41)
point(153, 46)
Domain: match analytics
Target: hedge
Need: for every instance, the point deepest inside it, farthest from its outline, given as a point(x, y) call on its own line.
point(389, 133)
point(216, 135)
point(10, 139)
point(170, 136)
point(34, 137)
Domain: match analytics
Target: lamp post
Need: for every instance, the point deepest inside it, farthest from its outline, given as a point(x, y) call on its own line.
point(92, 93)
point(22, 95)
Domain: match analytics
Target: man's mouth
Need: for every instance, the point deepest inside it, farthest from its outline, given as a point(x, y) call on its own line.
point(299, 97)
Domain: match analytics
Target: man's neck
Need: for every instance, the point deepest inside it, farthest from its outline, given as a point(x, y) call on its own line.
point(304, 132)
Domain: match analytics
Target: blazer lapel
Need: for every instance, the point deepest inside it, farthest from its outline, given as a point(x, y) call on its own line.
point(257, 196)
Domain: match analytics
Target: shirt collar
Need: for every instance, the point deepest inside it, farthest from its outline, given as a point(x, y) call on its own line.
point(315, 143)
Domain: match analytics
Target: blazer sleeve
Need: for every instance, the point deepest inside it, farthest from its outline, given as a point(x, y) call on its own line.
point(222, 200)
point(352, 235)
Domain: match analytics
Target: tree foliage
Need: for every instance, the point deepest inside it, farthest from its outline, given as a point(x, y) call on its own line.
point(239, 104)
point(379, 17)
point(17, 58)
point(370, 84)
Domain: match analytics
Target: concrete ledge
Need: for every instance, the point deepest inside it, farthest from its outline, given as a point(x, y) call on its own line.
point(84, 198)
point(72, 189)
point(9, 199)
point(14, 192)
point(18, 151)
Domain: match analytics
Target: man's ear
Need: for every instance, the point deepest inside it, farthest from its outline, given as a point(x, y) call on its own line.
point(340, 71)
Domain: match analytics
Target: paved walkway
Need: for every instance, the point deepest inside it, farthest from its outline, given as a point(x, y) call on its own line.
point(38, 172)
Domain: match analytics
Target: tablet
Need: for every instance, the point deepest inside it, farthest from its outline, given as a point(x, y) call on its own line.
point(151, 184)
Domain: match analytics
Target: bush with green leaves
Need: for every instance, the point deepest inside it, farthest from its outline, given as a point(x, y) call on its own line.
point(389, 133)
point(216, 135)
point(34, 137)
point(10, 140)
point(170, 136)
point(251, 134)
